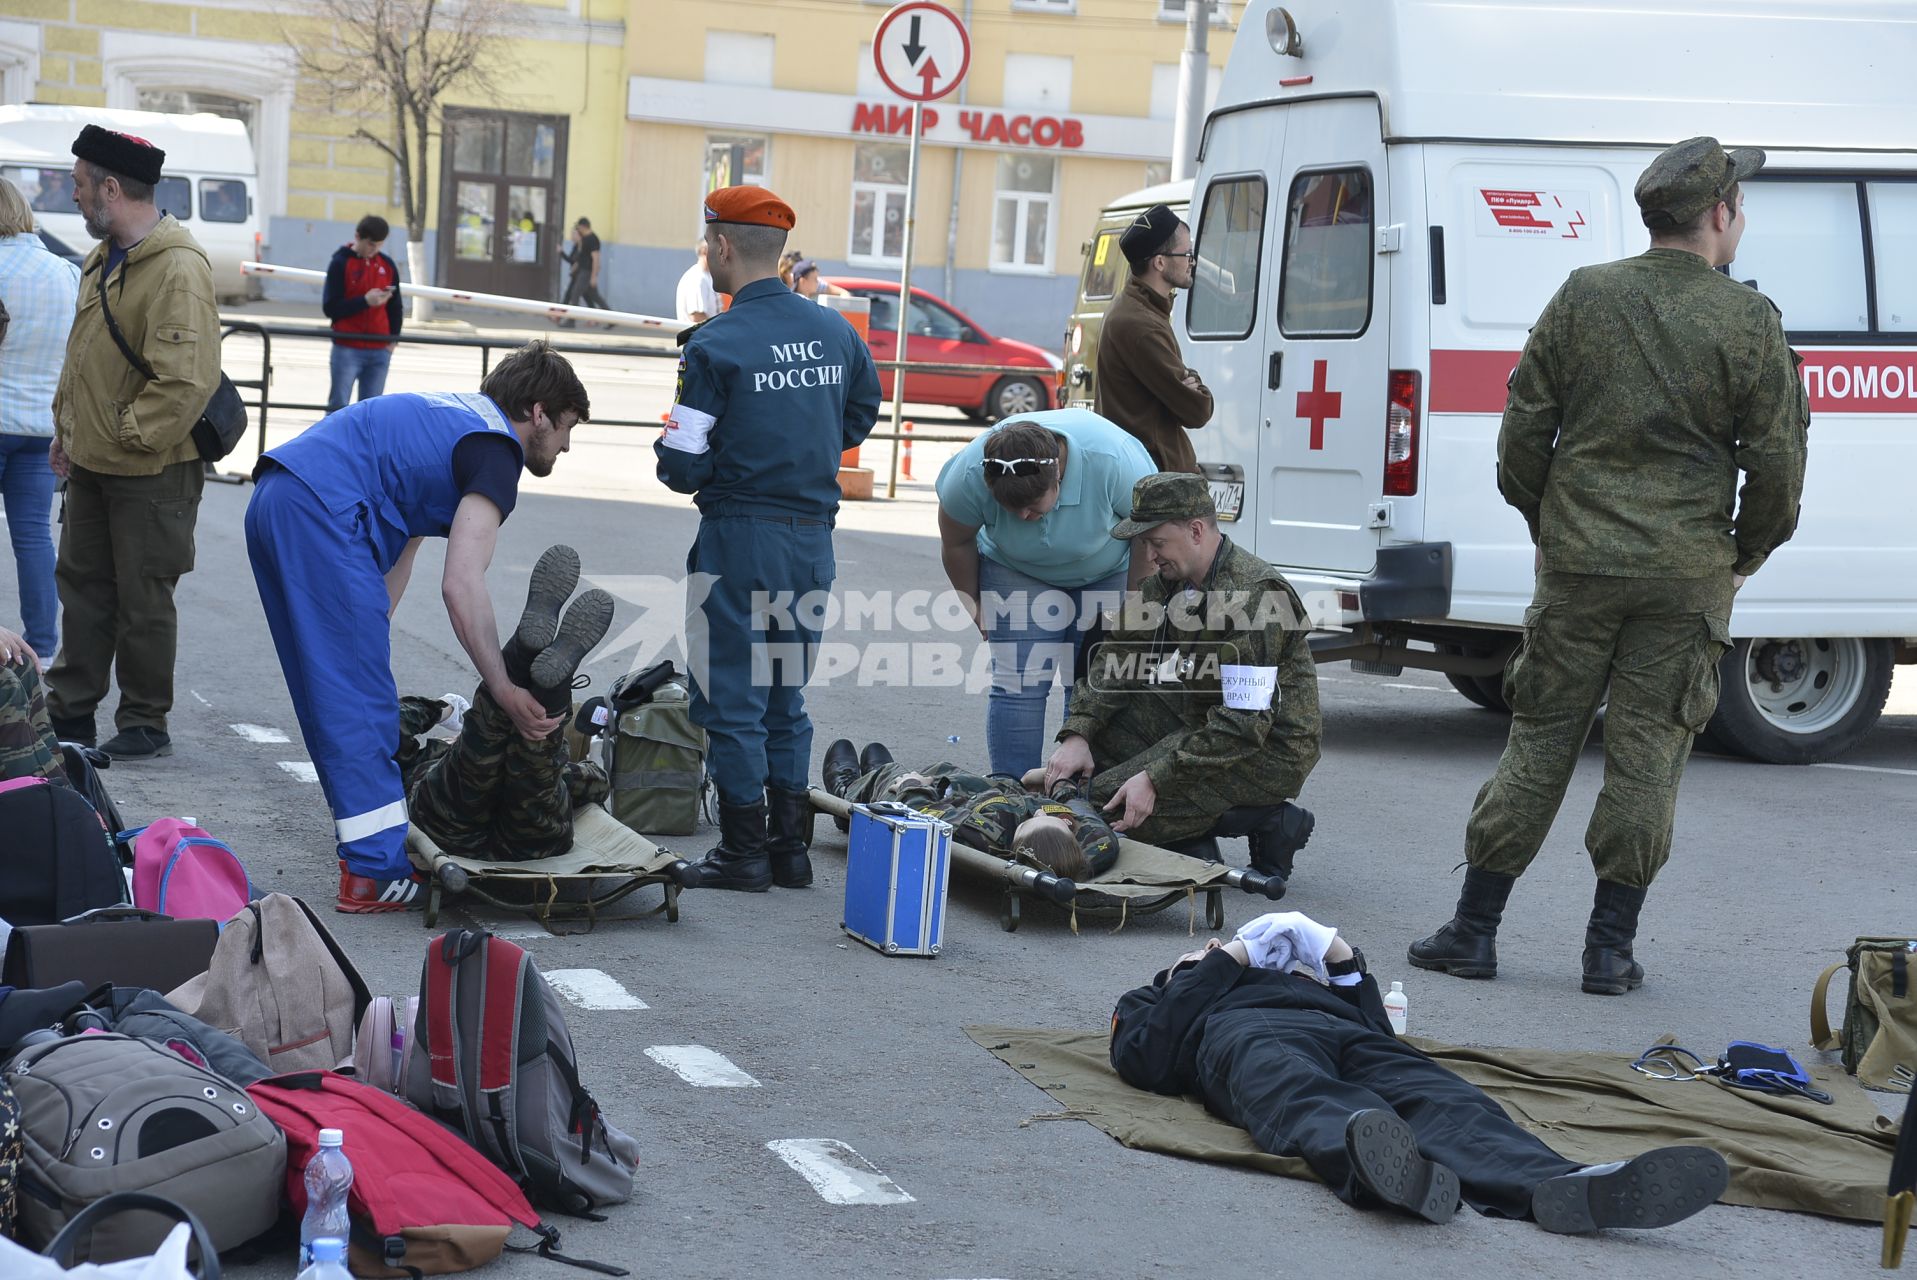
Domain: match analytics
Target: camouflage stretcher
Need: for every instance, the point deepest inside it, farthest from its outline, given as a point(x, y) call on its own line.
point(1145, 879)
point(603, 849)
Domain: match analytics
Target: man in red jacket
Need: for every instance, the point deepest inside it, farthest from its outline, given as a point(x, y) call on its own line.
point(361, 298)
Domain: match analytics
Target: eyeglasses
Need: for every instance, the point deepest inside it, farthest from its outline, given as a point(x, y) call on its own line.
point(1186, 254)
point(1019, 466)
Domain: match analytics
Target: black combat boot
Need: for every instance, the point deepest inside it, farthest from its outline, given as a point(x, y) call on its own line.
point(840, 768)
point(740, 860)
point(873, 757)
point(1276, 841)
point(788, 837)
point(584, 626)
point(1609, 968)
point(553, 581)
point(1467, 946)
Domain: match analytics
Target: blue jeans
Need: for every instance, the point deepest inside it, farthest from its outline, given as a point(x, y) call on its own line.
point(1034, 629)
point(26, 482)
point(364, 365)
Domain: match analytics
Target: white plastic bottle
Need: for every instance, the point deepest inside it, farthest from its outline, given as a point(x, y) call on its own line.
point(329, 1176)
point(1396, 1006)
point(329, 1261)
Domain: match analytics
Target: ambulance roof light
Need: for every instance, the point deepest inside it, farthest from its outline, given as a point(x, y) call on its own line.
point(1283, 34)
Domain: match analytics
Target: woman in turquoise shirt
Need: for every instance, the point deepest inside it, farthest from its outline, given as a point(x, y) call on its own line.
point(1026, 514)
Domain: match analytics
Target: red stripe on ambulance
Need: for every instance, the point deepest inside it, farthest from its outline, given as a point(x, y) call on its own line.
point(1871, 381)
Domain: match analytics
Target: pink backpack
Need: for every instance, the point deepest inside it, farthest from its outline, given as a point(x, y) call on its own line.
point(181, 871)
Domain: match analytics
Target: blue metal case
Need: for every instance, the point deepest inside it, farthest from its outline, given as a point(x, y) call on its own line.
point(897, 866)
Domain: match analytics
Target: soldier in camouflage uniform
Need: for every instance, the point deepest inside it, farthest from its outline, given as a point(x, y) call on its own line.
point(28, 748)
point(1198, 713)
point(1647, 386)
point(985, 812)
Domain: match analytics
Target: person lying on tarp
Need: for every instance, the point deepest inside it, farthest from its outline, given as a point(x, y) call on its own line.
point(492, 792)
point(993, 813)
point(1282, 1031)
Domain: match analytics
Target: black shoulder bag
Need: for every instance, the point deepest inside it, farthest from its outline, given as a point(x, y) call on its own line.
point(221, 423)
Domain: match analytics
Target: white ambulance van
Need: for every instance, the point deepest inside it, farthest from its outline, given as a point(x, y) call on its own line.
point(209, 182)
point(1388, 193)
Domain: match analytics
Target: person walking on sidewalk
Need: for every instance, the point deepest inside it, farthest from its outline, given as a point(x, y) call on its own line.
point(143, 359)
point(584, 257)
point(1648, 386)
point(361, 298)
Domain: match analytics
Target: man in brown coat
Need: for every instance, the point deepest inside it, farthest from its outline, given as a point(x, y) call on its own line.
point(1144, 384)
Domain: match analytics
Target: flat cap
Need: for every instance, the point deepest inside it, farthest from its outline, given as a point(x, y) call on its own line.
point(1149, 233)
point(753, 206)
point(1687, 179)
point(1169, 495)
point(120, 153)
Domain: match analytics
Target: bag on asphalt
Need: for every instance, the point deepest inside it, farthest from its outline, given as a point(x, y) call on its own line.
point(180, 869)
point(281, 985)
point(423, 1202)
point(145, 1014)
point(492, 1058)
point(10, 1148)
point(119, 945)
point(379, 1050)
point(1878, 1036)
point(108, 1112)
point(83, 765)
point(654, 753)
point(168, 1262)
point(59, 862)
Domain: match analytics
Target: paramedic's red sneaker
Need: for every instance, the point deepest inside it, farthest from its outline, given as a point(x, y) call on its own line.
point(363, 895)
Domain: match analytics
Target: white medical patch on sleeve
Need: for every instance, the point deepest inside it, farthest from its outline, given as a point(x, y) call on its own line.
point(687, 430)
point(1248, 688)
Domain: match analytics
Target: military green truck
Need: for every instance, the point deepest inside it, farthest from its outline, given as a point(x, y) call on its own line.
point(1100, 280)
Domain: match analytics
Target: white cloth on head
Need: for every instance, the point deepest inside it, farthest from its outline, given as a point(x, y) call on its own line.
point(1280, 939)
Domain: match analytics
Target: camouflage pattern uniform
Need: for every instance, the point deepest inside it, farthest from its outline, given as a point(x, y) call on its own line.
point(1647, 386)
point(28, 748)
point(1153, 701)
point(490, 793)
point(985, 812)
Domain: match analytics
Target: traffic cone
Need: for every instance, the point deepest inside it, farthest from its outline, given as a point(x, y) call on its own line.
point(905, 456)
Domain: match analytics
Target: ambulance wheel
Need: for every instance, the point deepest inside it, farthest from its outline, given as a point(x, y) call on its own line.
point(1008, 913)
point(1796, 701)
point(1013, 396)
point(1214, 910)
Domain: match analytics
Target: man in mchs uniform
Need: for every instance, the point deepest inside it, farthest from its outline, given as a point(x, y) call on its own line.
point(771, 392)
point(1648, 386)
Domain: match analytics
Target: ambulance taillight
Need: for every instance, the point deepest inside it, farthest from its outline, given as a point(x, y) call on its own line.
point(1401, 435)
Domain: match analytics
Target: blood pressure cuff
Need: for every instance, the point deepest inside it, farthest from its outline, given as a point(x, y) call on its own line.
point(1749, 1065)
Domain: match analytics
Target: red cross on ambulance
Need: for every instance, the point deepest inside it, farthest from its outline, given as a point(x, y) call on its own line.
point(1319, 405)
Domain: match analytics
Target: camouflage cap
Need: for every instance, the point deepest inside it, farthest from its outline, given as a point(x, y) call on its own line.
point(1687, 179)
point(1168, 495)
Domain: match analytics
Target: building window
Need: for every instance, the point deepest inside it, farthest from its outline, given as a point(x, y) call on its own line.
point(1045, 6)
point(1324, 290)
point(1231, 236)
point(733, 161)
point(878, 204)
point(1174, 11)
point(1038, 82)
point(1022, 213)
point(189, 101)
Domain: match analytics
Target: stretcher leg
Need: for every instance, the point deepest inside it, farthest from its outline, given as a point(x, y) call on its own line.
point(1214, 909)
point(1008, 911)
point(672, 902)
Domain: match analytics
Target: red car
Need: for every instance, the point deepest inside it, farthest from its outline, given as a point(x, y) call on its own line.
point(943, 335)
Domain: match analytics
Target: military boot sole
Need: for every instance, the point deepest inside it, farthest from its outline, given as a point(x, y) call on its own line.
point(1654, 1190)
point(1384, 1158)
point(586, 622)
point(554, 578)
point(1275, 856)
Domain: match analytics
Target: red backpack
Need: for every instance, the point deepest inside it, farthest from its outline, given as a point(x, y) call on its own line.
point(423, 1202)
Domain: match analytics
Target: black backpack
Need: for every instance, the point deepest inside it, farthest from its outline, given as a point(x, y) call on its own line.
point(58, 860)
point(83, 765)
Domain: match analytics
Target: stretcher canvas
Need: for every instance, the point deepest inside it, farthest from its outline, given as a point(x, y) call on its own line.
point(602, 846)
point(1784, 1153)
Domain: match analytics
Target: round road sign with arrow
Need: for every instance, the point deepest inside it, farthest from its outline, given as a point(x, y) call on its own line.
point(921, 50)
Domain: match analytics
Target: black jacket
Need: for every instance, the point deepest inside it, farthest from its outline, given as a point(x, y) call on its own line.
point(1156, 1029)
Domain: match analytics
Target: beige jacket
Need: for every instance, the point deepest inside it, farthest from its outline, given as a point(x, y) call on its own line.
point(109, 417)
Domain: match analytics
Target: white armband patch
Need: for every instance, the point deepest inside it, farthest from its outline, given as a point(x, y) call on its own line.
point(687, 429)
point(1249, 688)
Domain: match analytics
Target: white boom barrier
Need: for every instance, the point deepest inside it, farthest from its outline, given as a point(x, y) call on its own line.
point(489, 301)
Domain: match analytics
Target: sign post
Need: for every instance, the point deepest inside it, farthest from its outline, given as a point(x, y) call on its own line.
point(922, 52)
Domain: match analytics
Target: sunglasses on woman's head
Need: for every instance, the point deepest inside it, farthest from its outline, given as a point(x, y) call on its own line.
point(1019, 466)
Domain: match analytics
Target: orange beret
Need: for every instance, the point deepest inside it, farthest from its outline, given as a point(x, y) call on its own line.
point(754, 206)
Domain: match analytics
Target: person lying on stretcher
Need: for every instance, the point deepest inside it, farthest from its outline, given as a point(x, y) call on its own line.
point(996, 814)
point(1282, 1032)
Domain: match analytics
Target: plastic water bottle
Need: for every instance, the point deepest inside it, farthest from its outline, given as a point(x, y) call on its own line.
point(953, 739)
point(329, 1261)
point(329, 1176)
point(1396, 1006)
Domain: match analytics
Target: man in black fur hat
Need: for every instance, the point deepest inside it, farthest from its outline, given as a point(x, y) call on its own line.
point(1143, 382)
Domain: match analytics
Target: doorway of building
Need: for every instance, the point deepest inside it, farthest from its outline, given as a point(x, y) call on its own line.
point(502, 190)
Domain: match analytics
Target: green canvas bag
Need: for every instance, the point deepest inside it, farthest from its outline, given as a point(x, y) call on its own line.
point(656, 757)
point(1878, 1039)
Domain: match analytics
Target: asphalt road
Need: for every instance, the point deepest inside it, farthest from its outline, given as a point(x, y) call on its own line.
point(1775, 870)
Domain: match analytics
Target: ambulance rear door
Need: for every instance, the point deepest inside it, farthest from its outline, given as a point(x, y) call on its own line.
point(1322, 448)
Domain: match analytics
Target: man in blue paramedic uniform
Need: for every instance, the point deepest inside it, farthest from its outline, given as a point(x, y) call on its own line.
point(334, 525)
point(771, 392)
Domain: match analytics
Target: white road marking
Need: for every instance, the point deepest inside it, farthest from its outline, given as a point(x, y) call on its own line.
point(203, 701)
point(301, 769)
point(697, 1065)
point(1867, 768)
point(259, 733)
point(838, 1173)
point(1421, 688)
point(592, 989)
point(520, 934)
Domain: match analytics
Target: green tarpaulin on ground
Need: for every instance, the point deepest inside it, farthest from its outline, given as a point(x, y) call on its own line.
point(1784, 1153)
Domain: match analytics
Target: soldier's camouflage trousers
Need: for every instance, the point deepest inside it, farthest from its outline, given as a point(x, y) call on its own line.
point(1139, 736)
point(490, 793)
point(28, 748)
point(1656, 643)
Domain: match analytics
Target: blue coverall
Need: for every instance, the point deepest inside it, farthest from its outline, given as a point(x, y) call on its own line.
point(783, 386)
point(332, 512)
